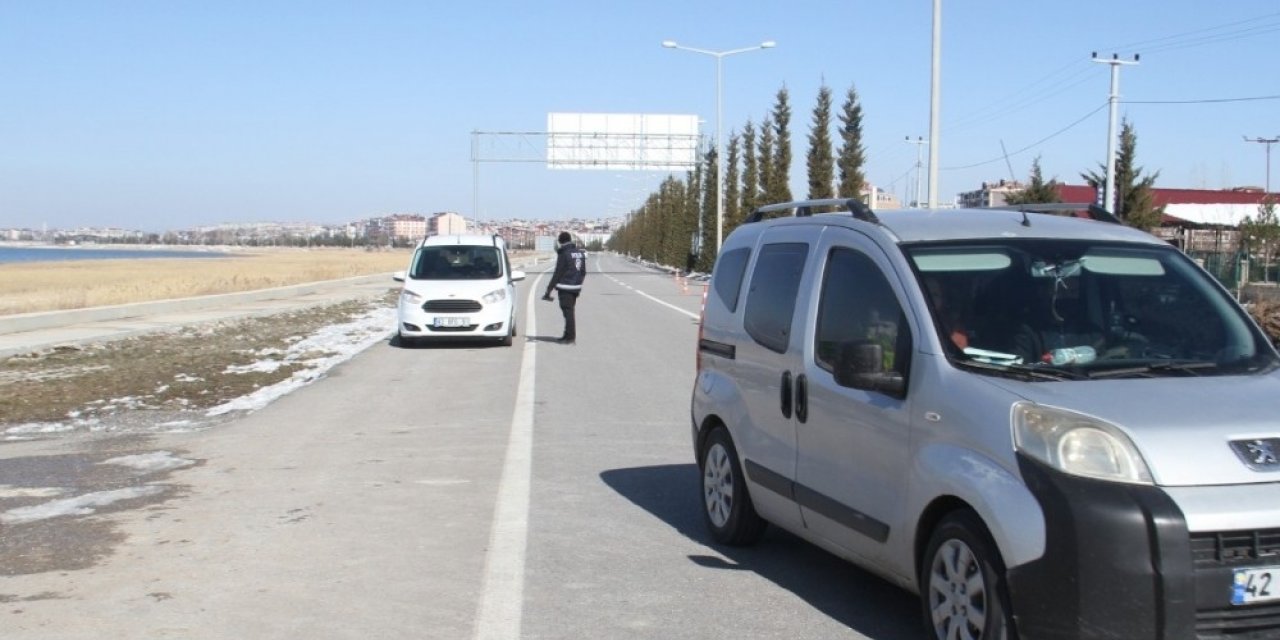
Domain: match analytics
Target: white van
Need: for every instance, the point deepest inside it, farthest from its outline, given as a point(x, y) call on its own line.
point(1046, 426)
point(458, 286)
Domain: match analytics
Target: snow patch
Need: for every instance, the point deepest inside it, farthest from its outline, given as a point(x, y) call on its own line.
point(151, 462)
point(84, 505)
point(341, 341)
point(10, 491)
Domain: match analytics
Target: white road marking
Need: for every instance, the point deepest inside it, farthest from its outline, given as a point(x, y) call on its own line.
point(502, 591)
point(501, 607)
point(661, 302)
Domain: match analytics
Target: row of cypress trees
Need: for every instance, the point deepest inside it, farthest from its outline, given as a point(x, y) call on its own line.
point(665, 229)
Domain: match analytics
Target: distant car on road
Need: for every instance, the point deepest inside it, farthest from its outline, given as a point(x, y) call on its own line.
point(458, 287)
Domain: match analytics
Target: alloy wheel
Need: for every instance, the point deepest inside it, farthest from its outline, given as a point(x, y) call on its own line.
point(717, 484)
point(957, 593)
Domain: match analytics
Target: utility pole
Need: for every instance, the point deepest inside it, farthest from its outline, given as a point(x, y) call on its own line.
point(1109, 192)
point(919, 142)
point(1268, 142)
point(935, 101)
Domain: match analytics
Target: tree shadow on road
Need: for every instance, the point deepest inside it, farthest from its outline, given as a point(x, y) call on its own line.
point(855, 598)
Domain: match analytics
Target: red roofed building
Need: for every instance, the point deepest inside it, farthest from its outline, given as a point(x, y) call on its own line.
point(1189, 207)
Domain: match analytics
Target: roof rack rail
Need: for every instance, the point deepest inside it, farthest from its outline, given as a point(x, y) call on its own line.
point(804, 208)
point(1095, 212)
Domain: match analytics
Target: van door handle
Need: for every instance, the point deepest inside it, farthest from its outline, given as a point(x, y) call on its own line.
point(802, 398)
point(786, 394)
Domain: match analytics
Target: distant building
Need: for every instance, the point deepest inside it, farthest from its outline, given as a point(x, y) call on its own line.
point(405, 226)
point(884, 199)
point(517, 237)
point(992, 194)
point(446, 223)
point(1194, 219)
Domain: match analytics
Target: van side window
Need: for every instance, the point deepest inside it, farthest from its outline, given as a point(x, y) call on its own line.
point(727, 279)
point(858, 306)
point(771, 300)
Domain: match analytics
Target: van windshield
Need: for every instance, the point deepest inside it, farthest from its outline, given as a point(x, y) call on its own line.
point(457, 262)
point(1084, 310)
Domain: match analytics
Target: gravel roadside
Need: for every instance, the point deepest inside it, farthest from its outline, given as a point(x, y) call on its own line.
point(168, 380)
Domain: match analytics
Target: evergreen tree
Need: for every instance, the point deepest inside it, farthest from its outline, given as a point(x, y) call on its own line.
point(1038, 191)
point(1259, 235)
point(852, 157)
point(1135, 201)
point(779, 187)
point(677, 233)
point(663, 223)
point(765, 164)
point(750, 171)
point(732, 206)
point(690, 211)
point(707, 256)
point(820, 161)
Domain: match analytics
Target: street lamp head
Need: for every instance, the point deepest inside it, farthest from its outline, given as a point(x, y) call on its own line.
point(670, 44)
point(768, 44)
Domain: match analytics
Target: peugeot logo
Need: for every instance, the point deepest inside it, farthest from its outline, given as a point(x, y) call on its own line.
point(1259, 454)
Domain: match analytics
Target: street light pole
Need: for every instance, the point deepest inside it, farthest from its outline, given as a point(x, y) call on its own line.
point(719, 56)
point(1109, 189)
point(1268, 142)
point(919, 142)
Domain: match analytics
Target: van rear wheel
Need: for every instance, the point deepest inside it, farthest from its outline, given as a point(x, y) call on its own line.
point(962, 582)
point(727, 508)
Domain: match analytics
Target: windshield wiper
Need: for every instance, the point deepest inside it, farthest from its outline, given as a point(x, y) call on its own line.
point(1181, 366)
point(1024, 371)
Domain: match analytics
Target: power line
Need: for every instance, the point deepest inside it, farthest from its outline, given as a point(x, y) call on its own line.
point(1203, 101)
point(1012, 104)
point(1016, 100)
point(1196, 37)
point(1170, 42)
point(1034, 144)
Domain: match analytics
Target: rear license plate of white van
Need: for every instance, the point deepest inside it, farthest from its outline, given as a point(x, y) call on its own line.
point(1255, 585)
point(453, 322)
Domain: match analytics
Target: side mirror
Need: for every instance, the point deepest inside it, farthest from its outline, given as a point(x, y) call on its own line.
point(517, 276)
point(398, 276)
point(860, 365)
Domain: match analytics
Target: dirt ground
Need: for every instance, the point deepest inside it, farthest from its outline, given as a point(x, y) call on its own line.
point(155, 379)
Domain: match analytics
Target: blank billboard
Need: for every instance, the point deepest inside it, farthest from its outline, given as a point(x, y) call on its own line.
point(622, 141)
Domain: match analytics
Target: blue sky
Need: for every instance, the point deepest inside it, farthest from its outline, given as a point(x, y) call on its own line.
point(167, 114)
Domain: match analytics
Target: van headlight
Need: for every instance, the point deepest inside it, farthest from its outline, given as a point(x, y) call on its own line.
point(1077, 444)
point(495, 296)
point(409, 297)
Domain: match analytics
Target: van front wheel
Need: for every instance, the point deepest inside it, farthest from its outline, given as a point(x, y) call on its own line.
point(962, 582)
point(727, 506)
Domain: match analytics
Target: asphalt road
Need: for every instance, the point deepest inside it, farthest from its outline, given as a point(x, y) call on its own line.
point(460, 491)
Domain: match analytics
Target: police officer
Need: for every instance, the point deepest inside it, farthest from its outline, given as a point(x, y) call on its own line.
point(571, 270)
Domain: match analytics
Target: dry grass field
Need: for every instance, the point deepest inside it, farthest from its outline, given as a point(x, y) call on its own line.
point(75, 284)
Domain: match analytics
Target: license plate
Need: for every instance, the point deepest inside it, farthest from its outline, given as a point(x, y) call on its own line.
point(453, 322)
point(1255, 585)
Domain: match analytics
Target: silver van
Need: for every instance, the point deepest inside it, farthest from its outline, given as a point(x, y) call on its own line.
point(1046, 426)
